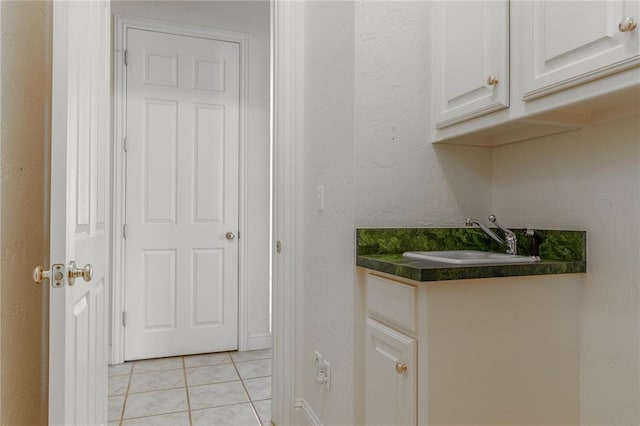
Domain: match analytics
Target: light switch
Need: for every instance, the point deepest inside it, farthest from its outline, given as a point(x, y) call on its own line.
point(320, 198)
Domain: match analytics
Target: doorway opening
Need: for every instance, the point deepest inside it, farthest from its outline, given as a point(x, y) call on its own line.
point(152, 199)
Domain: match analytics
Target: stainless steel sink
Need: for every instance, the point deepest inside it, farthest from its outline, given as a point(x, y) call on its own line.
point(469, 257)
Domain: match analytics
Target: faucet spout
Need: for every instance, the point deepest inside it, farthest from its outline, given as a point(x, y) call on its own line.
point(489, 232)
point(509, 235)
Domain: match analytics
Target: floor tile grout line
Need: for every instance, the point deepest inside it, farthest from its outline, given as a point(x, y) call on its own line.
point(126, 396)
point(231, 360)
point(258, 377)
point(222, 406)
point(155, 415)
point(157, 390)
point(253, 407)
point(157, 371)
point(216, 383)
point(186, 389)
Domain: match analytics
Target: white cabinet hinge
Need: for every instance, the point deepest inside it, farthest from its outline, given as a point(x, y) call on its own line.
point(124, 318)
point(124, 231)
point(126, 57)
point(125, 144)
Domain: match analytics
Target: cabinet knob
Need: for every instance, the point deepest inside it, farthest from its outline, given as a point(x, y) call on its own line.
point(627, 25)
point(492, 80)
point(401, 368)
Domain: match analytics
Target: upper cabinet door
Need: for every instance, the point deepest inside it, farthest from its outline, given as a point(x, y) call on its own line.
point(567, 43)
point(471, 59)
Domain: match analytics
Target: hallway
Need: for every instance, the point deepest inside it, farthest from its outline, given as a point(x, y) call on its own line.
point(229, 388)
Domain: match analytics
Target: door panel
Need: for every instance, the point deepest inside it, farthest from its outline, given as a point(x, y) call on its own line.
point(209, 168)
point(79, 172)
point(160, 287)
point(182, 194)
point(208, 268)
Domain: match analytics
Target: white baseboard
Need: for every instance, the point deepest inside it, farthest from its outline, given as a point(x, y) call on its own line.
point(259, 341)
point(304, 414)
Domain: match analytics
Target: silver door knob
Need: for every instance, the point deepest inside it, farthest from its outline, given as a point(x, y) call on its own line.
point(492, 80)
point(86, 273)
point(627, 25)
point(401, 368)
point(230, 236)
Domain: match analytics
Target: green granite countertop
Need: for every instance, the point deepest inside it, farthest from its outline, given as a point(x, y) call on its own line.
point(380, 249)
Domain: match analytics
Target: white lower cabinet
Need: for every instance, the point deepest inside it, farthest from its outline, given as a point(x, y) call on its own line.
point(391, 377)
point(468, 352)
point(391, 353)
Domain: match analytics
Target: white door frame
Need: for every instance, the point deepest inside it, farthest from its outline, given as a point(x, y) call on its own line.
point(287, 32)
point(122, 24)
point(287, 52)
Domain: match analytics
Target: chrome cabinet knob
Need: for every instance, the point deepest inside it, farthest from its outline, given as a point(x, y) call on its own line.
point(230, 236)
point(492, 80)
point(401, 368)
point(627, 24)
point(86, 273)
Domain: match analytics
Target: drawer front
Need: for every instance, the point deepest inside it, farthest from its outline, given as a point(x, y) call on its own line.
point(391, 302)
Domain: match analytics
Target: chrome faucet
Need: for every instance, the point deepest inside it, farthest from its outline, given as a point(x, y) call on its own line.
point(509, 236)
point(511, 241)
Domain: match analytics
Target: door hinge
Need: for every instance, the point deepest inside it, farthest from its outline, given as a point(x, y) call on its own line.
point(124, 231)
point(125, 144)
point(124, 318)
point(278, 246)
point(126, 57)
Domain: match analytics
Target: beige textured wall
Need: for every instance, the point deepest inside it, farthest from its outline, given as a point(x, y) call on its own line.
point(25, 86)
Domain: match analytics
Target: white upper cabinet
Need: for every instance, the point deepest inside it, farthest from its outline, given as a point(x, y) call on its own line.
point(555, 65)
point(567, 43)
point(471, 59)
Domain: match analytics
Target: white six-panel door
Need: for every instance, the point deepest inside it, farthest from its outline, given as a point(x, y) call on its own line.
point(182, 130)
point(79, 203)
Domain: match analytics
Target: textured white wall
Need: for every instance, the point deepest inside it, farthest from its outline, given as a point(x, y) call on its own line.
point(24, 161)
point(589, 179)
point(251, 17)
point(366, 122)
point(400, 178)
point(328, 235)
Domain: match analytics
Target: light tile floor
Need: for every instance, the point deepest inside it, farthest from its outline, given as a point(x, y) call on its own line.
point(230, 388)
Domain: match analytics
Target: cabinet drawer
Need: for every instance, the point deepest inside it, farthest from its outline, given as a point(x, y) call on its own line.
point(392, 302)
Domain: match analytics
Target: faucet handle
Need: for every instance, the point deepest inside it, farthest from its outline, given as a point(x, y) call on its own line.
point(509, 236)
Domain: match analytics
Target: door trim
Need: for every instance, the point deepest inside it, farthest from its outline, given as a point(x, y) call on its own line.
point(287, 32)
point(123, 23)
